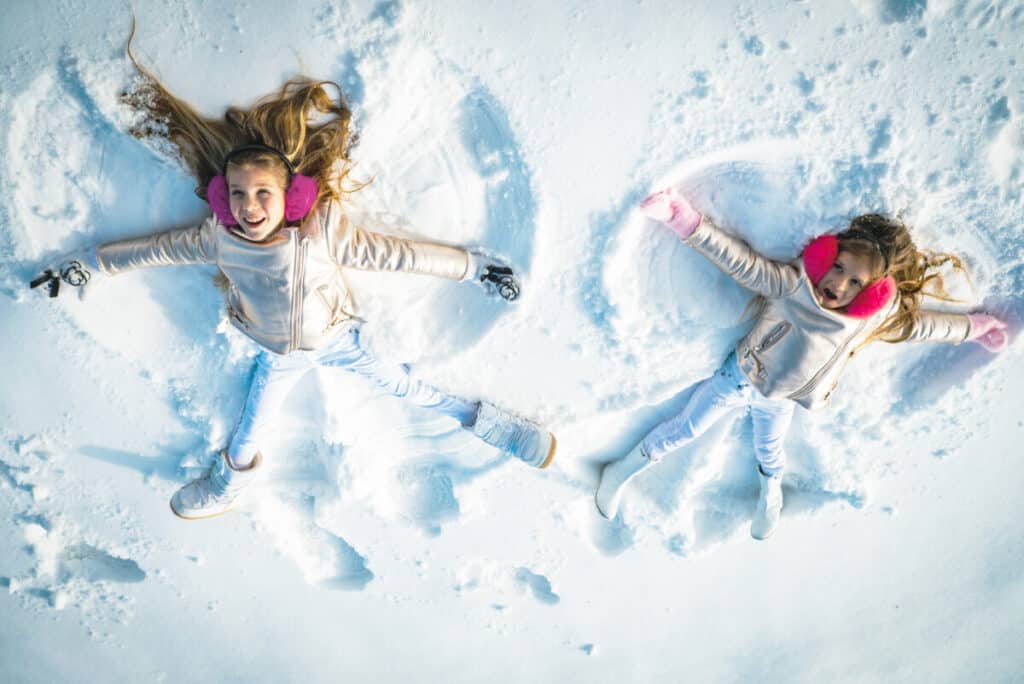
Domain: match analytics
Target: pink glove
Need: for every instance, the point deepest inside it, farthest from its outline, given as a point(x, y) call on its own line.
point(674, 211)
point(988, 331)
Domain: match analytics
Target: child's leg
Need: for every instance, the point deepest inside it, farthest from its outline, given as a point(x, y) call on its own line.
point(348, 354)
point(273, 379)
point(771, 420)
point(217, 491)
point(712, 399)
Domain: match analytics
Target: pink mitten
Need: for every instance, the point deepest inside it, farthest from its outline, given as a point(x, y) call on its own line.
point(988, 331)
point(674, 211)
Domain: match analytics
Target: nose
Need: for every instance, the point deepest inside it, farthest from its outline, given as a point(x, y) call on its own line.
point(839, 283)
point(250, 203)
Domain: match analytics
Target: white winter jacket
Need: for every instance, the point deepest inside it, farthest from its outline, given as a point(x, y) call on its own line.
point(289, 294)
point(797, 349)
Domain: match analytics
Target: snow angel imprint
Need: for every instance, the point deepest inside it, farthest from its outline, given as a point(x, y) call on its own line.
point(864, 284)
point(276, 177)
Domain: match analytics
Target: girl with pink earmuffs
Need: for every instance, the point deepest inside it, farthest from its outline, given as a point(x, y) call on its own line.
point(275, 177)
point(846, 290)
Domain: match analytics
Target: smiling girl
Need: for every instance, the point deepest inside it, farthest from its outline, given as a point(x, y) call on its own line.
point(275, 177)
point(864, 284)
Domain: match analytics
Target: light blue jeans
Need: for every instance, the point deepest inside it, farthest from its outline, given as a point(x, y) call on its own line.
point(275, 375)
point(716, 396)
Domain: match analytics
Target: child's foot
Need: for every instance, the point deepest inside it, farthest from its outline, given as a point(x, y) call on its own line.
point(769, 506)
point(214, 493)
point(517, 436)
point(614, 477)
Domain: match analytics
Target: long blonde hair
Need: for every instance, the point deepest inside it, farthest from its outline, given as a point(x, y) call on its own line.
point(916, 272)
point(283, 120)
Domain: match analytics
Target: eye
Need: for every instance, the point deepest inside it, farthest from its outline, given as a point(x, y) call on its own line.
point(856, 283)
point(237, 193)
point(838, 267)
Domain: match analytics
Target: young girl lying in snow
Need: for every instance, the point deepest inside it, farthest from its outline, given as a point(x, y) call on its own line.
point(864, 284)
point(273, 176)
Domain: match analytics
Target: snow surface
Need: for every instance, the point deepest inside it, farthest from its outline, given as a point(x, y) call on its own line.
point(388, 545)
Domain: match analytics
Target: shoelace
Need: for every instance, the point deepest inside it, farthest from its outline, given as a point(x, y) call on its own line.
point(211, 486)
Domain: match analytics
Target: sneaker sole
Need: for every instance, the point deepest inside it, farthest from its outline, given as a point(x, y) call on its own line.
point(551, 453)
point(197, 517)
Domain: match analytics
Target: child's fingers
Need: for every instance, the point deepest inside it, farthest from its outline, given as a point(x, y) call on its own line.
point(655, 196)
point(658, 206)
point(995, 340)
point(998, 339)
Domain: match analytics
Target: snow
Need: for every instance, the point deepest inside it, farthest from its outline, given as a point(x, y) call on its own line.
point(389, 545)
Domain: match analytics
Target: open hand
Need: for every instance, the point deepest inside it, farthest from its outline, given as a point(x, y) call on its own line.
point(988, 331)
point(665, 206)
point(73, 271)
point(493, 275)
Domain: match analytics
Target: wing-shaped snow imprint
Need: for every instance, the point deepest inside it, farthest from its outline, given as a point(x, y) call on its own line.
point(400, 462)
point(323, 557)
point(465, 183)
point(86, 183)
point(659, 300)
point(772, 195)
point(74, 180)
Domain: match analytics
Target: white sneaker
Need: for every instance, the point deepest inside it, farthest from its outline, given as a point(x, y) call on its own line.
point(517, 436)
point(216, 492)
point(614, 477)
point(769, 506)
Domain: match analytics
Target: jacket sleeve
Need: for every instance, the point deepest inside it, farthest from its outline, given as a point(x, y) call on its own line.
point(356, 247)
point(742, 263)
point(195, 245)
point(933, 326)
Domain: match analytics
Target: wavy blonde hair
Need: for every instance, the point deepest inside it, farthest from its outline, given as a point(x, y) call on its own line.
point(916, 271)
point(302, 120)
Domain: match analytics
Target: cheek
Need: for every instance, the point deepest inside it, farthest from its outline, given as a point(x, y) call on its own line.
point(277, 206)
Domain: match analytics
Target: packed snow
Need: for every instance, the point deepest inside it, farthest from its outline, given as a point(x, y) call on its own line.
point(389, 545)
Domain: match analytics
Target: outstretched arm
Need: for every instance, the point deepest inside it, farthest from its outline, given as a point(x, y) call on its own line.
point(363, 249)
point(935, 326)
point(983, 328)
point(356, 247)
point(181, 246)
point(195, 245)
point(730, 254)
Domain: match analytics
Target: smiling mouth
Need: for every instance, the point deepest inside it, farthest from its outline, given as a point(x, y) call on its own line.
point(254, 224)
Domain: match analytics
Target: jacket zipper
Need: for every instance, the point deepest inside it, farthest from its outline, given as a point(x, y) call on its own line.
point(772, 338)
point(813, 382)
point(300, 264)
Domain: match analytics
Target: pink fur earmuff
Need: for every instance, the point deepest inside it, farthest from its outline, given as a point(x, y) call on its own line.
point(818, 259)
point(298, 200)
